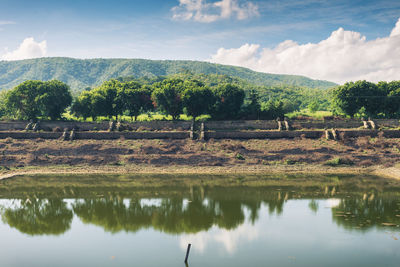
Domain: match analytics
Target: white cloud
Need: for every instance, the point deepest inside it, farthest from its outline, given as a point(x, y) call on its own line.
point(201, 11)
point(6, 22)
point(343, 56)
point(29, 48)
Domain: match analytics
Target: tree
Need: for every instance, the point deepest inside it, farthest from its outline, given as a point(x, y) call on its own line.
point(229, 99)
point(3, 108)
point(21, 101)
point(34, 99)
point(167, 97)
point(392, 105)
point(137, 99)
point(82, 106)
point(112, 98)
point(313, 106)
point(352, 96)
point(197, 99)
point(252, 108)
point(272, 109)
point(100, 105)
point(54, 97)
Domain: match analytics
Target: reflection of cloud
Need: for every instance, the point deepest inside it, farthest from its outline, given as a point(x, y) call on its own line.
point(156, 202)
point(332, 202)
point(228, 238)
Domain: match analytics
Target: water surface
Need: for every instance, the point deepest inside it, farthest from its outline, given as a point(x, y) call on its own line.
point(227, 226)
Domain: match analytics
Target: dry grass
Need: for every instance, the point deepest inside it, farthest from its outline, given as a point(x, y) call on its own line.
point(187, 154)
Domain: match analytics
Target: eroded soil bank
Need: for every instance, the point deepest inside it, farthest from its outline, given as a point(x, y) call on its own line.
point(354, 155)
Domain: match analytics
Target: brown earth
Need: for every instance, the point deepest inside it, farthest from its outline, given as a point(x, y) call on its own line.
point(364, 153)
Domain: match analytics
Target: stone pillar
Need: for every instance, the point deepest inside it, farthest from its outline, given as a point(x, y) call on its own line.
point(334, 134)
point(202, 136)
point(36, 127)
point(111, 126)
point(365, 124)
point(29, 126)
point(191, 132)
point(65, 135)
point(279, 125)
point(118, 126)
point(327, 135)
point(372, 123)
point(287, 126)
point(72, 135)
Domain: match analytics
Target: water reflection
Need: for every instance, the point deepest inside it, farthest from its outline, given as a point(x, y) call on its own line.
point(365, 212)
point(39, 216)
point(196, 214)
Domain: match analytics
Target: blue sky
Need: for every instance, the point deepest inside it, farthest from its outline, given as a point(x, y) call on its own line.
point(184, 29)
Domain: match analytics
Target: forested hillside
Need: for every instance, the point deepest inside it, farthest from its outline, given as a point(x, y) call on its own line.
point(79, 73)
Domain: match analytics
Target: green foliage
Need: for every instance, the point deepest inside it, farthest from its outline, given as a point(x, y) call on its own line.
point(167, 96)
point(229, 100)
point(252, 106)
point(367, 99)
point(339, 161)
point(54, 98)
point(272, 110)
point(313, 106)
point(240, 156)
point(197, 99)
point(3, 109)
point(34, 99)
point(80, 73)
point(392, 105)
point(137, 99)
point(82, 105)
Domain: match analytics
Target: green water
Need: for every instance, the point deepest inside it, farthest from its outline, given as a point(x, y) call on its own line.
point(227, 226)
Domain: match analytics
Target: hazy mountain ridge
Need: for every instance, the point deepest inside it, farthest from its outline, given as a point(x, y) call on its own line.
point(82, 73)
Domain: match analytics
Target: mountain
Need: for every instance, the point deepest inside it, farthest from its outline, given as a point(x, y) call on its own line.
point(82, 73)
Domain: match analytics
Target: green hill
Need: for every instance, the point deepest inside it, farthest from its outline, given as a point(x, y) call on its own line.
point(82, 73)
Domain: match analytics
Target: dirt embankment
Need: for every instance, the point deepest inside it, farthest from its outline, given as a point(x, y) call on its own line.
point(187, 156)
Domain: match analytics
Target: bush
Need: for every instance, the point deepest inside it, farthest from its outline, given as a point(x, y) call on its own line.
point(339, 161)
point(239, 156)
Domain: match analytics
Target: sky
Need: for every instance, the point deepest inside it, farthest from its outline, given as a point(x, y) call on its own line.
point(339, 41)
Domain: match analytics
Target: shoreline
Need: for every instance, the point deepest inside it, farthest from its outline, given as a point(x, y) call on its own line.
point(388, 173)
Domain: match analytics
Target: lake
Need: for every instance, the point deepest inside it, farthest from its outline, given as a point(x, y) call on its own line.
point(79, 224)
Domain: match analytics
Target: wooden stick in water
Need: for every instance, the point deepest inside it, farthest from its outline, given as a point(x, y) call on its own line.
point(187, 252)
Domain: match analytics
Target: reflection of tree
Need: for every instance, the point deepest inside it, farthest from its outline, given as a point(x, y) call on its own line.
point(171, 216)
point(113, 215)
point(364, 213)
point(275, 202)
point(222, 208)
point(39, 217)
point(313, 205)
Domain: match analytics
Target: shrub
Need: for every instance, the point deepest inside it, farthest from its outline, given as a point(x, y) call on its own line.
point(339, 161)
point(239, 156)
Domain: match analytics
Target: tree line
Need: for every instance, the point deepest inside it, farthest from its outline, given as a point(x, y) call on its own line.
point(32, 100)
point(367, 99)
point(178, 94)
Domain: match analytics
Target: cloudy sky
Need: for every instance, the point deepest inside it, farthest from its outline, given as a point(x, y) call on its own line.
point(337, 40)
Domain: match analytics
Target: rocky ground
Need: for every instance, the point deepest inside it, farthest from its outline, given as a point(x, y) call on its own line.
point(359, 152)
